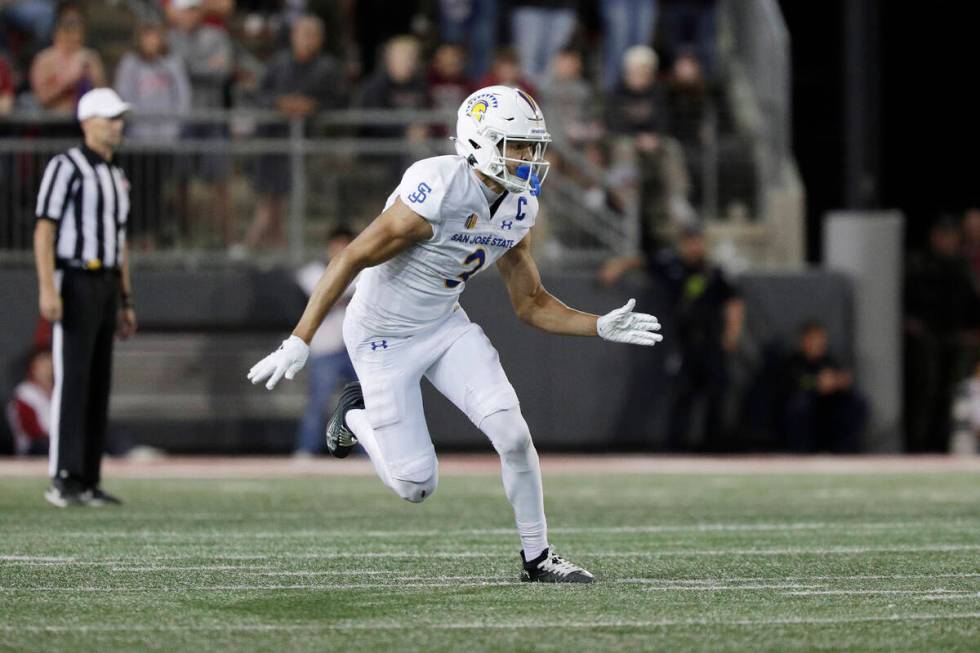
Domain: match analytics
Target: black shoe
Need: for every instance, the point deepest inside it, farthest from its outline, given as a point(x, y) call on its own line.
point(97, 498)
point(340, 439)
point(64, 493)
point(549, 567)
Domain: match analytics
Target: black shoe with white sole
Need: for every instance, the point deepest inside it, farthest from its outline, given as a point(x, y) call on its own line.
point(549, 567)
point(340, 439)
point(97, 498)
point(64, 493)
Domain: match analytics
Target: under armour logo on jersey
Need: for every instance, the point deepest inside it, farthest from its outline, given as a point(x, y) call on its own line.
point(420, 194)
point(507, 224)
point(379, 344)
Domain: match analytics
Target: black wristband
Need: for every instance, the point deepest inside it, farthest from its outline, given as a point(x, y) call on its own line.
point(126, 300)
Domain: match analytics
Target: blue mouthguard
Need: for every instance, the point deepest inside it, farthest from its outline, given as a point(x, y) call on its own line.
point(522, 172)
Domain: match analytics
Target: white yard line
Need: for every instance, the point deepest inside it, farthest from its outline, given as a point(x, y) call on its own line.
point(757, 579)
point(493, 553)
point(493, 625)
point(723, 588)
point(748, 527)
point(395, 583)
point(950, 597)
point(874, 592)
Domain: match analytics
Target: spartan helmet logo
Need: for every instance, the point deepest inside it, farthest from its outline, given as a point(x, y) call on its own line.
point(478, 110)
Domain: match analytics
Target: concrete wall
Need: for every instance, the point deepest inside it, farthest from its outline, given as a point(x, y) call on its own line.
point(577, 393)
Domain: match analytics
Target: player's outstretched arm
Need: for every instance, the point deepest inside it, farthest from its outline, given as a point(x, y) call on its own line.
point(539, 308)
point(532, 303)
point(391, 233)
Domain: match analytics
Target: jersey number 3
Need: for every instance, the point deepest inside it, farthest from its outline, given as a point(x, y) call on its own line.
point(479, 257)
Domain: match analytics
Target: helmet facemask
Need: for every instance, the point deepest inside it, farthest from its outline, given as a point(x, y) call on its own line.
point(517, 171)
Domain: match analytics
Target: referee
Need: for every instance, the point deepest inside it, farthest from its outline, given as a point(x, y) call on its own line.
point(83, 278)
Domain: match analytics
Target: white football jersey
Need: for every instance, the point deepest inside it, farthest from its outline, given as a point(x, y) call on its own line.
point(420, 286)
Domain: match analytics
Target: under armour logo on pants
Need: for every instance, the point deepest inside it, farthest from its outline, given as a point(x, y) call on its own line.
point(380, 344)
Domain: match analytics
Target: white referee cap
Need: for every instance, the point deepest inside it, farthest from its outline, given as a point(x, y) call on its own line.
point(101, 103)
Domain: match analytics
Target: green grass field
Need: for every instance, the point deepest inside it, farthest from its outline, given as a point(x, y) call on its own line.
point(761, 562)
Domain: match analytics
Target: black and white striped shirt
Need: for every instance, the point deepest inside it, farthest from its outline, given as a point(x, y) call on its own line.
point(88, 198)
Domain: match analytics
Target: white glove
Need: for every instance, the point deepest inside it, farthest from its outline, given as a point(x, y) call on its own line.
point(285, 361)
point(623, 325)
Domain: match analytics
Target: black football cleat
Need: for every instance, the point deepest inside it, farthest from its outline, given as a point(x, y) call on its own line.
point(64, 493)
point(549, 567)
point(340, 439)
point(97, 498)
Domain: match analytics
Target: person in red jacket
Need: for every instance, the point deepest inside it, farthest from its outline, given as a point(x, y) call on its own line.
point(29, 410)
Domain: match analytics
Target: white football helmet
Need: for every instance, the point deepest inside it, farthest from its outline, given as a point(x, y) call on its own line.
point(492, 126)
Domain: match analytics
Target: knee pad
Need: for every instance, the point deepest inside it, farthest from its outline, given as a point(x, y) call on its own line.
point(415, 480)
point(510, 436)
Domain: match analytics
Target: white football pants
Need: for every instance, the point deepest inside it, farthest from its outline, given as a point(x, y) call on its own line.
point(459, 360)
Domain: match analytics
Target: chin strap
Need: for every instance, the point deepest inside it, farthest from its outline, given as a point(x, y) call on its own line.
point(523, 172)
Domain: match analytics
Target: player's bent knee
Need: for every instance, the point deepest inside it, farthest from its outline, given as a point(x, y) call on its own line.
point(415, 480)
point(510, 436)
point(416, 492)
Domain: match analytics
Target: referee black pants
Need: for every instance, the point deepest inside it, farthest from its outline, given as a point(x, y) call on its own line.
point(82, 355)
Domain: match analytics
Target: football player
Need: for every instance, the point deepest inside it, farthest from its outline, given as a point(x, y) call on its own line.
point(450, 218)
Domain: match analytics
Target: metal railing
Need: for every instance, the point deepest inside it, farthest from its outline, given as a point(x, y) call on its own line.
point(203, 194)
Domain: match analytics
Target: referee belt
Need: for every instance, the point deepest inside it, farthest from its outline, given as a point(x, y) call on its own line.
point(89, 265)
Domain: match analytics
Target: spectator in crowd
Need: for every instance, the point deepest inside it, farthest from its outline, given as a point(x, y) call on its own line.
point(625, 23)
point(506, 71)
point(298, 82)
point(690, 25)
point(207, 54)
point(398, 84)
point(687, 100)
point(539, 29)
point(636, 118)
point(971, 243)
point(6, 87)
point(29, 410)
point(822, 411)
point(153, 82)
point(941, 318)
point(636, 107)
point(707, 316)
point(329, 364)
point(64, 72)
point(448, 83)
point(569, 100)
point(473, 22)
